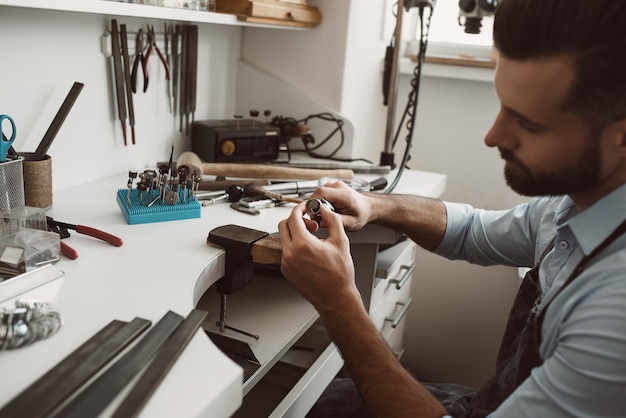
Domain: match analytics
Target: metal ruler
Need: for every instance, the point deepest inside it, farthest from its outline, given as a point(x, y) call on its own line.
point(94, 399)
point(158, 368)
point(48, 392)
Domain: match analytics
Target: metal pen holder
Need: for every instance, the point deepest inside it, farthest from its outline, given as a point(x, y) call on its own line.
point(11, 184)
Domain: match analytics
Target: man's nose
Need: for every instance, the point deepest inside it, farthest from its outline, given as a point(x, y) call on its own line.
point(501, 135)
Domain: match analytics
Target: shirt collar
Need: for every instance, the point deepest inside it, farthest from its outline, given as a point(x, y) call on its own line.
point(591, 226)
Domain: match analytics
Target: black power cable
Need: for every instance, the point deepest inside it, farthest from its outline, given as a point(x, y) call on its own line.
point(410, 110)
point(308, 138)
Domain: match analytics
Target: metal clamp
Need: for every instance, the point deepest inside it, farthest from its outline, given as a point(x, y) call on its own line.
point(405, 307)
point(405, 277)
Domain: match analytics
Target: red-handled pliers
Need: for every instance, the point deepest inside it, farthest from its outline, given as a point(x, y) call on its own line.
point(62, 228)
point(152, 43)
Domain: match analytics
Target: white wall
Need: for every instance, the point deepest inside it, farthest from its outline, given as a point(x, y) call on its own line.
point(460, 310)
point(44, 52)
point(334, 64)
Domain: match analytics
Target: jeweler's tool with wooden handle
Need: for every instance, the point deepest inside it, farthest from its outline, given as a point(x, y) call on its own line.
point(258, 171)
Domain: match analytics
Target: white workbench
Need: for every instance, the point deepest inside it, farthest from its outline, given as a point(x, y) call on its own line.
point(161, 266)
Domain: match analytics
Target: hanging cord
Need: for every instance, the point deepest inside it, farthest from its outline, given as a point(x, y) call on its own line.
point(310, 150)
point(411, 107)
point(339, 128)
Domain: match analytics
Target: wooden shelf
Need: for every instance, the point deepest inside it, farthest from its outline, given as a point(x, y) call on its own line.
point(278, 12)
point(114, 8)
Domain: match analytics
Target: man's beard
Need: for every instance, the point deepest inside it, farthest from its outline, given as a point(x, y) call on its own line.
point(581, 175)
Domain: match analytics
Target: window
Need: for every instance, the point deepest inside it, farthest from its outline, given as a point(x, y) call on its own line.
point(447, 39)
point(445, 27)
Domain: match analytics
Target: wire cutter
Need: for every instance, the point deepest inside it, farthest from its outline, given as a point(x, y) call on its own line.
point(152, 43)
point(62, 228)
point(139, 59)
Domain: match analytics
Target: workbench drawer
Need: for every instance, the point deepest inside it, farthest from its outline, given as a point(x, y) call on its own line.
point(394, 273)
point(393, 328)
point(295, 383)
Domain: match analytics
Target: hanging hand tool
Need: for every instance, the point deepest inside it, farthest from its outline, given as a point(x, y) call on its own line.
point(119, 77)
point(139, 59)
point(168, 33)
point(127, 82)
point(182, 92)
point(152, 44)
point(62, 228)
point(188, 75)
point(193, 74)
point(176, 69)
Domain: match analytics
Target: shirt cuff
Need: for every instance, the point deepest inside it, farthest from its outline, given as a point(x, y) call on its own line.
point(458, 219)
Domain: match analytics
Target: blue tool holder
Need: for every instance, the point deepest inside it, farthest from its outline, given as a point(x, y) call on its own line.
point(141, 213)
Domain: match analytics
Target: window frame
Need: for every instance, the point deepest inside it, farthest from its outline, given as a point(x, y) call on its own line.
point(440, 51)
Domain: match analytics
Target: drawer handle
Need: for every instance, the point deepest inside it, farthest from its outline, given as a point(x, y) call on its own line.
point(405, 277)
point(405, 307)
point(398, 354)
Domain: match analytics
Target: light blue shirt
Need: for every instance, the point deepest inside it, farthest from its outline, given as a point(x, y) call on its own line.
point(583, 343)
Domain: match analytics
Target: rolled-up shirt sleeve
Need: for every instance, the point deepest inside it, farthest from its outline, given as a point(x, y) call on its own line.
point(504, 237)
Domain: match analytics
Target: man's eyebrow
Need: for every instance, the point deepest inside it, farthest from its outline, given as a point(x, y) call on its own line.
point(525, 118)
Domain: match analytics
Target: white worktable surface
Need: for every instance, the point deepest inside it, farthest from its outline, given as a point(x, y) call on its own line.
point(161, 266)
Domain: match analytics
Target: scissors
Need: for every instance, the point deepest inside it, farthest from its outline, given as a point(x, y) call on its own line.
point(6, 143)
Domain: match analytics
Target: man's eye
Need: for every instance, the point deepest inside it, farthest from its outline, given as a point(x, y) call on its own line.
point(529, 126)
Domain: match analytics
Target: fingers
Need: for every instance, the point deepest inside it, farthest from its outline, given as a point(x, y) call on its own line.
point(352, 206)
point(333, 223)
point(297, 227)
point(311, 225)
point(331, 191)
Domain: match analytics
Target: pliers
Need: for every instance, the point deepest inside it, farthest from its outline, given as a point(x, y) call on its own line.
point(152, 43)
point(62, 228)
point(139, 59)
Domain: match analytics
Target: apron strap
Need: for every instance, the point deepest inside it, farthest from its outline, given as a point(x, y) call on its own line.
point(617, 232)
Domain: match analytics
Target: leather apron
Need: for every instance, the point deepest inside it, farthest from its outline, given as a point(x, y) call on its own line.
point(519, 349)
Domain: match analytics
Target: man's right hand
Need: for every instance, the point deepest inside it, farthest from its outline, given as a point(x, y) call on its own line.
point(353, 207)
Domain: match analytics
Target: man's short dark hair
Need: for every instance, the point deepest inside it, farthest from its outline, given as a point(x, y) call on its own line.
point(591, 32)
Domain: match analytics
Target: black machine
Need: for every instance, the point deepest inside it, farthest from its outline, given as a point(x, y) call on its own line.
point(473, 12)
point(235, 140)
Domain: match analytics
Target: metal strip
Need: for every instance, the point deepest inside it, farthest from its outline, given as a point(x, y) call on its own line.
point(49, 391)
point(94, 399)
point(158, 368)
